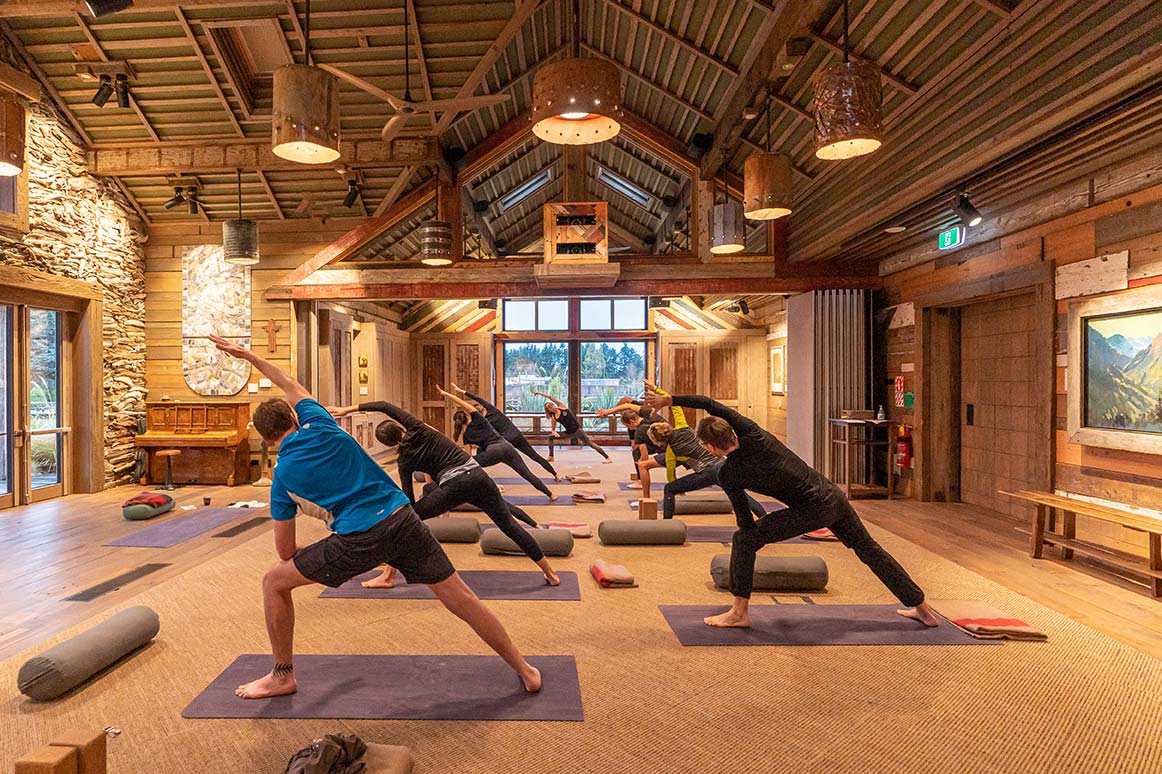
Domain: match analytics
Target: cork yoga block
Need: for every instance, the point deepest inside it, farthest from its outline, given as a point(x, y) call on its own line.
point(647, 508)
point(48, 760)
point(90, 747)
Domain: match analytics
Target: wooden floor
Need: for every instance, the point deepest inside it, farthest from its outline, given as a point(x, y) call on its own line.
point(54, 549)
point(997, 547)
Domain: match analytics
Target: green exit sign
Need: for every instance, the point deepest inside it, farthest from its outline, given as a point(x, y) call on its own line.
point(951, 238)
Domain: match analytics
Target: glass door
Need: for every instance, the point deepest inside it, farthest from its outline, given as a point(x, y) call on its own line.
point(46, 429)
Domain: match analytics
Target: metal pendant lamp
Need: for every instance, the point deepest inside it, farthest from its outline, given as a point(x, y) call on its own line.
point(767, 181)
point(727, 229)
point(240, 237)
point(436, 238)
point(305, 126)
point(577, 101)
point(848, 106)
point(11, 135)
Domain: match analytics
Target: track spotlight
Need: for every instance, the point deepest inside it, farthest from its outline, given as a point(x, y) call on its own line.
point(743, 306)
point(352, 194)
point(104, 91)
point(122, 86)
point(101, 8)
point(177, 198)
point(965, 211)
point(487, 303)
point(657, 302)
point(192, 199)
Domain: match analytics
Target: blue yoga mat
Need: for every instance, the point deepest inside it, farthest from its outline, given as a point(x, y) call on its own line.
point(181, 528)
point(398, 688)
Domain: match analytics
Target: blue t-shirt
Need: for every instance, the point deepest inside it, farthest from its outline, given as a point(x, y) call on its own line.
point(323, 472)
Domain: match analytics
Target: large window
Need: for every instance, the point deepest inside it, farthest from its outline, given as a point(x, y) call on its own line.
point(536, 315)
point(613, 314)
point(528, 366)
point(610, 370)
point(44, 397)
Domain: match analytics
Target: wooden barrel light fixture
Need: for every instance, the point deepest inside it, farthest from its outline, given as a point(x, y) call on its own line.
point(305, 126)
point(848, 106)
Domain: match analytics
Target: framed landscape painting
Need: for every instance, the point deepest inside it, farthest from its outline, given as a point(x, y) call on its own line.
point(1115, 371)
point(778, 375)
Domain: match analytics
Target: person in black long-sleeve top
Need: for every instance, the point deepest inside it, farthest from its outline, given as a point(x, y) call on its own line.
point(759, 462)
point(558, 412)
point(472, 429)
point(508, 431)
point(458, 478)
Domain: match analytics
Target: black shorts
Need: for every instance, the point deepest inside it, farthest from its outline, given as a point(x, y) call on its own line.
point(400, 540)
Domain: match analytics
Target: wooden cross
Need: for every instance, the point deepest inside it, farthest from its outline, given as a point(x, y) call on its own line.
point(272, 328)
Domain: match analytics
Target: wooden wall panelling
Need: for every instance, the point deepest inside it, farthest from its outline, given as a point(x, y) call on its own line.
point(433, 373)
point(467, 369)
point(939, 457)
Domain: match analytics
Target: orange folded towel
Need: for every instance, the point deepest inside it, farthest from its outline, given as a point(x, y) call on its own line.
point(612, 576)
point(820, 534)
point(982, 620)
point(580, 529)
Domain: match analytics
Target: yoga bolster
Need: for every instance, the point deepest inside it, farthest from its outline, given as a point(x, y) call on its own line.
point(143, 511)
point(67, 664)
point(633, 532)
point(554, 542)
point(454, 529)
point(702, 503)
point(387, 759)
point(776, 573)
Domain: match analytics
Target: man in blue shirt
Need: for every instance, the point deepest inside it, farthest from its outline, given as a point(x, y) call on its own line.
point(322, 472)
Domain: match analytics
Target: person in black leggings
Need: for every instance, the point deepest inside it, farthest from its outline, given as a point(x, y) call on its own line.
point(556, 411)
point(471, 428)
point(458, 479)
point(508, 431)
point(759, 462)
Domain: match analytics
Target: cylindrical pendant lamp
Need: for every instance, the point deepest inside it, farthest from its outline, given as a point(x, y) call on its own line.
point(577, 101)
point(306, 114)
point(436, 243)
point(727, 230)
point(240, 236)
point(767, 186)
point(11, 135)
point(848, 110)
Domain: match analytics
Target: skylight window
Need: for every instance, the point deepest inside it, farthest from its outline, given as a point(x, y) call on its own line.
point(625, 188)
point(526, 189)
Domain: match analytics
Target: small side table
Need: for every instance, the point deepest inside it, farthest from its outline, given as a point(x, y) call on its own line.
point(849, 436)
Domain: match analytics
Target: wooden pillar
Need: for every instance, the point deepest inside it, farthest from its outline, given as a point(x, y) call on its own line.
point(701, 203)
point(576, 188)
point(451, 210)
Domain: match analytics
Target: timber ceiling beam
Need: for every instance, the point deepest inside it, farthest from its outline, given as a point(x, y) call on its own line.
point(210, 156)
point(837, 48)
point(639, 18)
point(359, 236)
point(209, 71)
point(761, 61)
point(521, 13)
point(992, 5)
point(96, 44)
point(45, 83)
point(64, 8)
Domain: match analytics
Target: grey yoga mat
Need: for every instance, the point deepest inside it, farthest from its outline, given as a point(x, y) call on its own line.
point(488, 584)
point(723, 534)
point(398, 688)
point(181, 528)
point(812, 625)
point(518, 481)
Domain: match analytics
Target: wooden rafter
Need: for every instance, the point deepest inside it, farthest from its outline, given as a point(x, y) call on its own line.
point(890, 77)
point(38, 73)
point(639, 18)
point(520, 14)
point(992, 5)
point(514, 80)
point(209, 71)
point(18, 8)
point(84, 25)
point(649, 84)
point(418, 44)
point(396, 190)
point(132, 201)
point(270, 194)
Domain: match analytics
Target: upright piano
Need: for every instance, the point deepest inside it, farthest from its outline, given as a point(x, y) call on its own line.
point(214, 439)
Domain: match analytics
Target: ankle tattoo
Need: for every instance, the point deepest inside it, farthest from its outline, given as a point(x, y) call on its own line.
point(283, 670)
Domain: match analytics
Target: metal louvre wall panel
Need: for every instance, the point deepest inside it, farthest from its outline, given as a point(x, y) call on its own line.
point(841, 364)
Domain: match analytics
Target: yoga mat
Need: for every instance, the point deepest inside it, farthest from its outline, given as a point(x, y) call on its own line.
point(518, 481)
point(173, 531)
point(398, 688)
point(812, 625)
point(770, 505)
point(725, 534)
point(488, 584)
point(525, 501)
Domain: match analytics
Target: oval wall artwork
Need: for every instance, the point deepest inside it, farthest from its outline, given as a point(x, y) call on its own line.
point(215, 299)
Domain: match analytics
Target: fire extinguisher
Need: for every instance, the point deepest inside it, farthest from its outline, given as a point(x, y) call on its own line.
point(904, 448)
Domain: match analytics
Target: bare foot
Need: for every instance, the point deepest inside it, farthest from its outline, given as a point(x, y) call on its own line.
point(550, 458)
point(383, 581)
point(557, 478)
point(552, 498)
point(921, 613)
point(264, 687)
point(532, 680)
point(607, 461)
point(552, 579)
point(729, 619)
point(634, 485)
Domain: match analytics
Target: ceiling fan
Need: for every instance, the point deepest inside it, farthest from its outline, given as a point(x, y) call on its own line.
point(407, 106)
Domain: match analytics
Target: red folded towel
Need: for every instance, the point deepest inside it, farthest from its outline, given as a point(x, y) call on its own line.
point(580, 529)
point(820, 534)
point(612, 576)
point(984, 621)
point(147, 498)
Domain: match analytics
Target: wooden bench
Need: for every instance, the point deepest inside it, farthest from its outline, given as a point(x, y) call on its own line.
point(1045, 524)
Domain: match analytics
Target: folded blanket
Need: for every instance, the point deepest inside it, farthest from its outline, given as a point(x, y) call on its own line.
point(147, 498)
point(589, 497)
point(580, 529)
point(584, 477)
point(982, 620)
point(612, 576)
point(820, 534)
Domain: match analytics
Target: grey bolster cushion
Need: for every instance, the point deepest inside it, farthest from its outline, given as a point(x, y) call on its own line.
point(143, 511)
point(703, 502)
point(636, 532)
point(776, 573)
point(67, 664)
point(554, 542)
point(454, 529)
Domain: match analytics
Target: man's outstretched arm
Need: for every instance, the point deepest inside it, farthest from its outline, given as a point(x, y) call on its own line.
point(281, 379)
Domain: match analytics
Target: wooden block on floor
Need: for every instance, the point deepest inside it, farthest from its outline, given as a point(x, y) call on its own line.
point(48, 760)
point(633, 476)
point(90, 747)
point(647, 508)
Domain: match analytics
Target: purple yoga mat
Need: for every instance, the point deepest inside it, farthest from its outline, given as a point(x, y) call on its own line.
point(525, 501)
point(398, 688)
point(180, 529)
point(488, 584)
point(812, 625)
point(724, 534)
point(517, 481)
